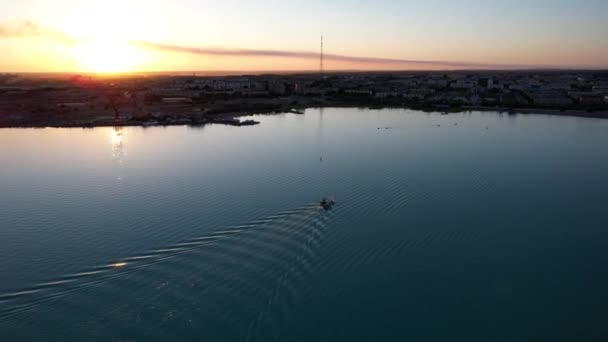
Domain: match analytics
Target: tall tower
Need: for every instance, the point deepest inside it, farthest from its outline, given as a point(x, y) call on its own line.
point(321, 58)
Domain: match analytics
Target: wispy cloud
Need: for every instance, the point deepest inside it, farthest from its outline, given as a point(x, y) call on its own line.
point(388, 62)
point(29, 29)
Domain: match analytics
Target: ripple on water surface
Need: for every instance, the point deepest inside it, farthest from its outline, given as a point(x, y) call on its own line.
point(248, 275)
point(443, 230)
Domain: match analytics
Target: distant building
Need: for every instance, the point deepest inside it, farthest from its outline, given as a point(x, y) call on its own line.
point(600, 89)
point(74, 104)
point(360, 92)
point(313, 91)
point(562, 86)
point(465, 83)
point(299, 88)
point(436, 83)
point(589, 99)
point(277, 88)
point(176, 100)
point(550, 99)
point(475, 100)
point(385, 94)
point(255, 93)
point(495, 85)
point(407, 83)
point(525, 84)
point(418, 94)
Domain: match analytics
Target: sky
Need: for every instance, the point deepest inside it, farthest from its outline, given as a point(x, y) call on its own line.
point(201, 35)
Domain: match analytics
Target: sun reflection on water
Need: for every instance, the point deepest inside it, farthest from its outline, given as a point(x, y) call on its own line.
point(118, 148)
point(116, 137)
point(117, 141)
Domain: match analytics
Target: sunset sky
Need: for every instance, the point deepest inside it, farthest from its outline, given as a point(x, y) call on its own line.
point(180, 35)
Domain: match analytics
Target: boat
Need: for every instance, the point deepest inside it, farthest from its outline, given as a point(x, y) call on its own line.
point(327, 203)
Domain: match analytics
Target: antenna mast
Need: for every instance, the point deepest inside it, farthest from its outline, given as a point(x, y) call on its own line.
point(321, 58)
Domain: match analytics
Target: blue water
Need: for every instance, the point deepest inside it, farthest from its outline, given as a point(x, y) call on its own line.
point(472, 226)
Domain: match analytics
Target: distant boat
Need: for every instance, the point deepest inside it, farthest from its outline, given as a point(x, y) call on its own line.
point(327, 203)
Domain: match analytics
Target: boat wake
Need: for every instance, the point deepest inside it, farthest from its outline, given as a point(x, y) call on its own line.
point(280, 248)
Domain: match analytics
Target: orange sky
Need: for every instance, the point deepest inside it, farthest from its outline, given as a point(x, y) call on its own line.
point(99, 36)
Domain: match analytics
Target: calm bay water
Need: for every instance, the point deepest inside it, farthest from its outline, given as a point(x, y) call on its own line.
point(473, 226)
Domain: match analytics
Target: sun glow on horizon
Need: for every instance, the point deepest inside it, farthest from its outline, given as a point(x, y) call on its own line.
point(108, 56)
point(103, 31)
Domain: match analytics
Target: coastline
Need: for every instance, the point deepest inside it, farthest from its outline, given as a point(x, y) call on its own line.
point(86, 101)
point(602, 114)
point(233, 118)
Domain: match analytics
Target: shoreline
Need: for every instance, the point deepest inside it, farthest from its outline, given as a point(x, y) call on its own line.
point(233, 118)
point(574, 113)
point(86, 101)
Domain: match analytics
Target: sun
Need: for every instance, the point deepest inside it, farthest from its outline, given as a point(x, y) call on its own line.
point(103, 31)
point(108, 56)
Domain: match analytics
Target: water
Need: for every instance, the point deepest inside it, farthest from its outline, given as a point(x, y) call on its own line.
point(474, 226)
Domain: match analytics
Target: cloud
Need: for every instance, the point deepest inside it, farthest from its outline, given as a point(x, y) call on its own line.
point(28, 29)
point(387, 62)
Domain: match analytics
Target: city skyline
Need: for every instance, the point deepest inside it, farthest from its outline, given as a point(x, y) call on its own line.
point(113, 36)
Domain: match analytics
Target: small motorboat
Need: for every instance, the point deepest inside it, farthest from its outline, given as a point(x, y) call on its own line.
point(327, 203)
